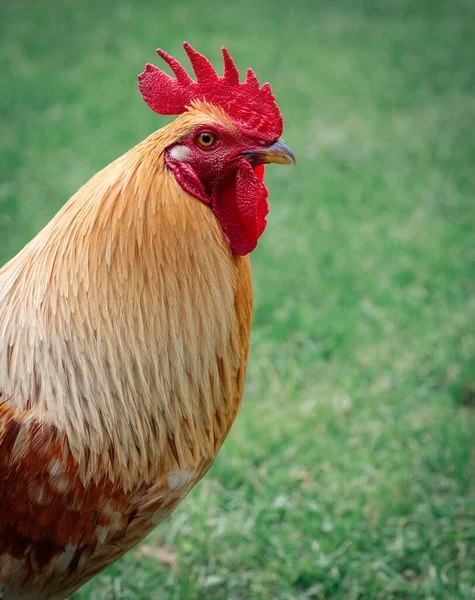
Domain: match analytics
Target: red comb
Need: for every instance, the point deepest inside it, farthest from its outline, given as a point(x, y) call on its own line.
point(252, 107)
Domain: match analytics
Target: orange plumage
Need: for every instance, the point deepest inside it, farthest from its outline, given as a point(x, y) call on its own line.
point(124, 329)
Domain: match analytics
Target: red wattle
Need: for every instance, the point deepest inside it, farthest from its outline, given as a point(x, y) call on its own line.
point(239, 202)
point(259, 171)
point(188, 179)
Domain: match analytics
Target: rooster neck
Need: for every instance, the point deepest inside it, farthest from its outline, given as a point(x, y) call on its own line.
point(125, 324)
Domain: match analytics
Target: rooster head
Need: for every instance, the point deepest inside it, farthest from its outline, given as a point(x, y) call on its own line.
point(228, 132)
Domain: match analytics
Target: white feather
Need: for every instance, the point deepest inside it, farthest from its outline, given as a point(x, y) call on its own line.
point(180, 153)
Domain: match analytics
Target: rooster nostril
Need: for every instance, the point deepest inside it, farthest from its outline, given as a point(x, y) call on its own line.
point(252, 157)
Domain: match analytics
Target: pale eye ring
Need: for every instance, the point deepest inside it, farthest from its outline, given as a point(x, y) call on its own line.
point(206, 139)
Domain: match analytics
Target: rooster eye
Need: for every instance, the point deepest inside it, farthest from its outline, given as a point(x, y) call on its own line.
point(206, 139)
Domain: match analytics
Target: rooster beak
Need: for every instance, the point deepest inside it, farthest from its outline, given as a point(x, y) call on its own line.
point(278, 153)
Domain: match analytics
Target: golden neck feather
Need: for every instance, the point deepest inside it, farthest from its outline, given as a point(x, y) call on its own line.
point(117, 318)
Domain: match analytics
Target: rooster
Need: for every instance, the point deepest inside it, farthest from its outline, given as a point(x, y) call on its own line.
point(124, 331)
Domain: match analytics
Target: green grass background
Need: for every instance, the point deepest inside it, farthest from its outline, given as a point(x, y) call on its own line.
point(349, 473)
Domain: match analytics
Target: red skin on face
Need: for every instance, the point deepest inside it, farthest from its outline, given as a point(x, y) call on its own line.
point(221, 177)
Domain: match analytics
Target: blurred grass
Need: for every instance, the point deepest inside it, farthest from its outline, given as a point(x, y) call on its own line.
point(350, 470)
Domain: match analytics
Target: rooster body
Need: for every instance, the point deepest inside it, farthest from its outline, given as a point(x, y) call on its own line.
point(124, 329)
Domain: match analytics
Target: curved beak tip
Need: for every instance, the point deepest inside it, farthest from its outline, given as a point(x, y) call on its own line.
point(280, 154)
point(285, 153)
point(277, 153)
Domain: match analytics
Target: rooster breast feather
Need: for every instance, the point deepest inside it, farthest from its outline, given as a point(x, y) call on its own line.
point(56, 532)
point(124, 338)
